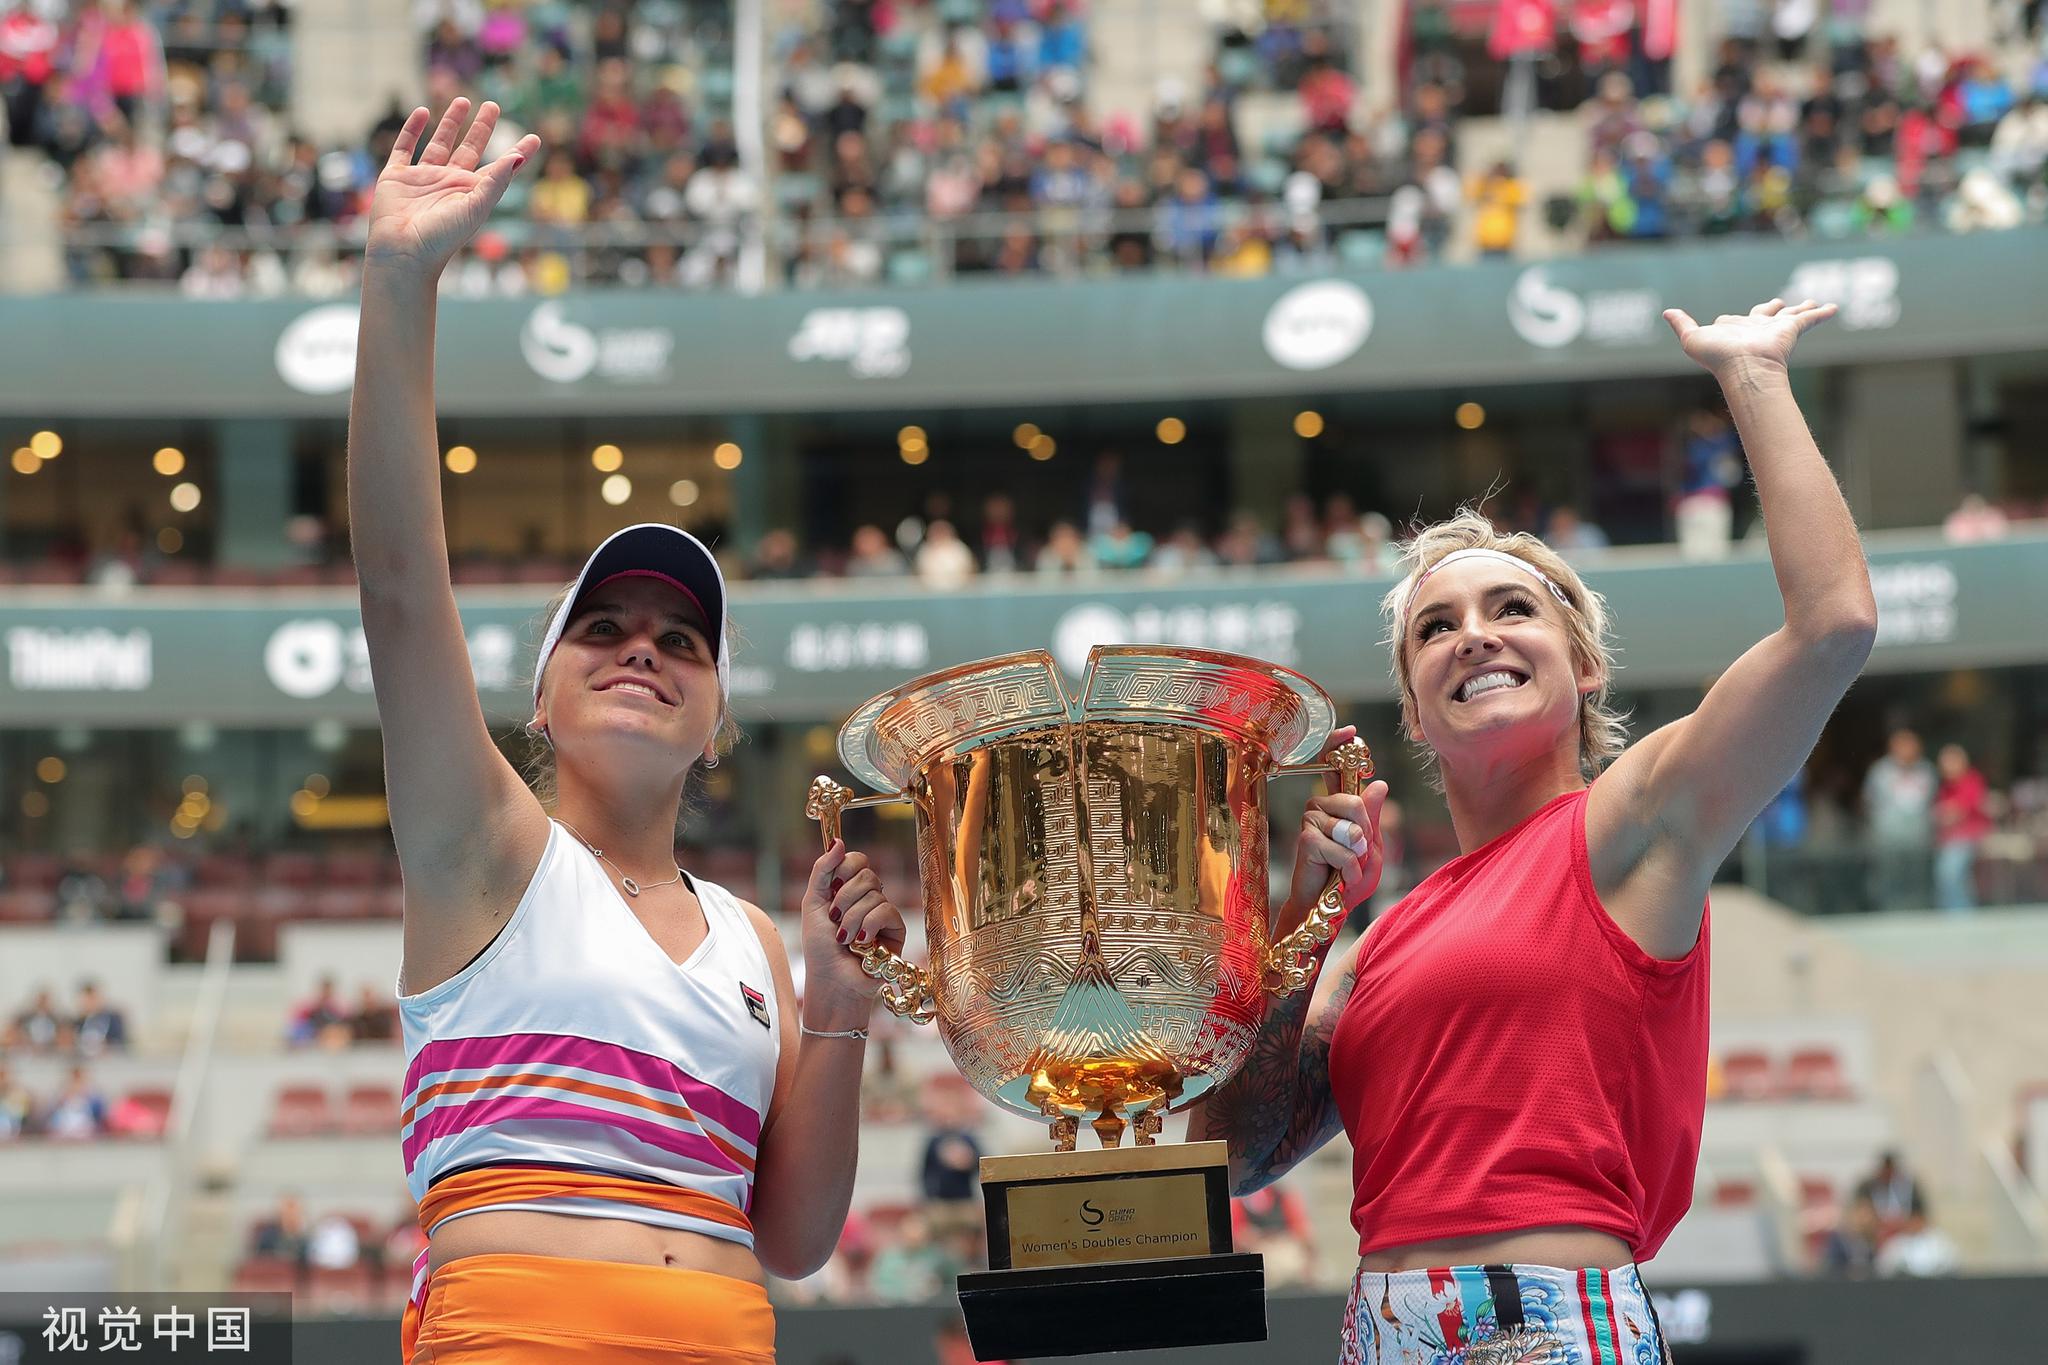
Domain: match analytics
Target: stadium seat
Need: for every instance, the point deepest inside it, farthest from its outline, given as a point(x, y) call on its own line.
point(156, 1100)
point(1747, 1074)
point(355, 869)
point(35, 871)
point(266, 1275)
point(1734, 1192)
point(370, 1111)
point(348, 1289)
point(302, 1111)
point(1816, 1073)
point(291, 869)
point(224, 869)
point(26, 907)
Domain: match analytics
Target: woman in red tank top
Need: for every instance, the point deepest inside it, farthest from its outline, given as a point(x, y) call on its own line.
point(1517, 1050)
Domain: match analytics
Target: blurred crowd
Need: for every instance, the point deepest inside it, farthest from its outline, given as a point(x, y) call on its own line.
point(1884, 1229)
point(76, 1110)
point(911, 138)
point(1913, 832)
point(89, 1026)
point(327, 1021)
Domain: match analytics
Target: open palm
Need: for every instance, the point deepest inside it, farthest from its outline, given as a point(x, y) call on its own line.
point(422, 214)
point(1766, 332)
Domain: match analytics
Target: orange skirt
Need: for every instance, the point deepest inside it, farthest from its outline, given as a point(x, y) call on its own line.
point(505, 1309)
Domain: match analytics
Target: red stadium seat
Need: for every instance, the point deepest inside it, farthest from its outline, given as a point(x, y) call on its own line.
point(178, 573)
point(156, 1100)
point(291, 869)
point(355, 869)
point(35, 871)
point(26, 906)
point(370, 1111)
point(1747, 1074)
point(266, 1275)
point(302, 1111)
point(1816, 1073)
point(224, 869)
point(1734, 1193)
point(352, 1289)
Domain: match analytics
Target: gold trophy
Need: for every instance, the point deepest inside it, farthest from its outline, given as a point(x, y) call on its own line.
point(1095, 902)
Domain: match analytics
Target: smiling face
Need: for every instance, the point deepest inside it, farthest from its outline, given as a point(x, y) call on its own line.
point(1492, 671)
point(636, 667)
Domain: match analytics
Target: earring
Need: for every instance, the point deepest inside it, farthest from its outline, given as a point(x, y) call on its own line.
point(711, 762)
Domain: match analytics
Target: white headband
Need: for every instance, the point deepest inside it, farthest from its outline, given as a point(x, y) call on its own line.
point(1478, 552)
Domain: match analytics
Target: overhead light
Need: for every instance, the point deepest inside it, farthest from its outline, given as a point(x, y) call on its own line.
point(185, 497)
point(328, 735)
point(51, 770)
point(47, 445)
point(616, 489)
point(683, 492)
point(26, 461)
point(1172, 431)
point(726, 455)
point(915, 453)
point(607, 458)
point(194, 783)
point(1043, 447)
point(1024, 435)
point(460, 459)
point(169, 461)
point(198, 735)
point(1471, 416)
point(170, 540)
point(317, 784)
point(1308, 424)
point(911, 436)
point(35, 805)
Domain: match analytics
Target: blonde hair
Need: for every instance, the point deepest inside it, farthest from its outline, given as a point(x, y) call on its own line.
point(538, 768)
point(1603, 729)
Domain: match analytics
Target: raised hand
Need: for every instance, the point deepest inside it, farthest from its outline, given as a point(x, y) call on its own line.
point(1339, 834)
point(1765, 333)
point(421, 215)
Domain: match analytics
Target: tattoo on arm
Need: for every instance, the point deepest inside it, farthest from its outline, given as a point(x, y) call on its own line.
point(1277, 1108)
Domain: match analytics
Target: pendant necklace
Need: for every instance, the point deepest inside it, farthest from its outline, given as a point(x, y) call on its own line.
point(633, 888)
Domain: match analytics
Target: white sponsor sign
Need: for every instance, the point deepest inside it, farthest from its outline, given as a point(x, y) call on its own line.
point(1916, 602)
point(310, 658)
point(1316, 325)
point(844, 645)
point(94, 660)
point(316, 353)
point(873, 342)
point(1549, 315)
point(566, 352)
point(1265, 630)
point(1866, 288)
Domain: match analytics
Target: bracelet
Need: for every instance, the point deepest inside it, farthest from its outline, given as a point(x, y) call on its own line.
point(810, 1032)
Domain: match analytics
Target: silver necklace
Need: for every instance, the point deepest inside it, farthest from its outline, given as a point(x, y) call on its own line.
point(633, 888)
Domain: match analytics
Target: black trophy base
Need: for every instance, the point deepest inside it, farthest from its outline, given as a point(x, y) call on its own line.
point(1119, 1306)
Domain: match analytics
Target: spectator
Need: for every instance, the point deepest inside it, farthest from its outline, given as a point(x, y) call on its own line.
point(1892, 1191)
point(333, 1243)
point(17, 1106)
point(1120, 547)
point(950, 1171)
point(29, 51)
point(1064, 552)
point(999, 535)
point(1567, 533)
point(324, 1020)
point(1497, 198)
point(82, 893)
point(283, 1235)
point(874, 557)
point(775, 557)
point(1974, 519)
point(375, 1019)
point(1850, 1251)
point(1274, 1223)
point(1711, 467)
point(1182, 551)
point(1918, 1250)
point(944, 563)
point(1962, 819)
point(79, 1112)
point(98, 1026)
point(40, 1028)
point(912, 1268)
point(1898, 807)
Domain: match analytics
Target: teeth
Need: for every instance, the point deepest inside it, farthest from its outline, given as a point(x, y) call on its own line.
point(636, 687)
point(1487, 682)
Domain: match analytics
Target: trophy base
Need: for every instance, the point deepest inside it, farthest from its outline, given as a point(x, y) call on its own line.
point(1116, 1306)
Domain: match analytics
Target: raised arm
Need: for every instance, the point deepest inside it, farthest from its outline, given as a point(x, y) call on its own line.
point(1662, 818)
point(1277, 1108)
point(466, 828)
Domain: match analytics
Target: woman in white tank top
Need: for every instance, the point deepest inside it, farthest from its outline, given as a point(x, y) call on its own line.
point(615, 1120)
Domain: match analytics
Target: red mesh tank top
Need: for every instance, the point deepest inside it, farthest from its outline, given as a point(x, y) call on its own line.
point(1511, 1058)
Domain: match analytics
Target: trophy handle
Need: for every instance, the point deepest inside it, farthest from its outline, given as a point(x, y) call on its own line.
point(906, 988)
point(1291, 961)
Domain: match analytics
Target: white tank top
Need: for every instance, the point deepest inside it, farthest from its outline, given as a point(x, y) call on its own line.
point(575, 1042)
